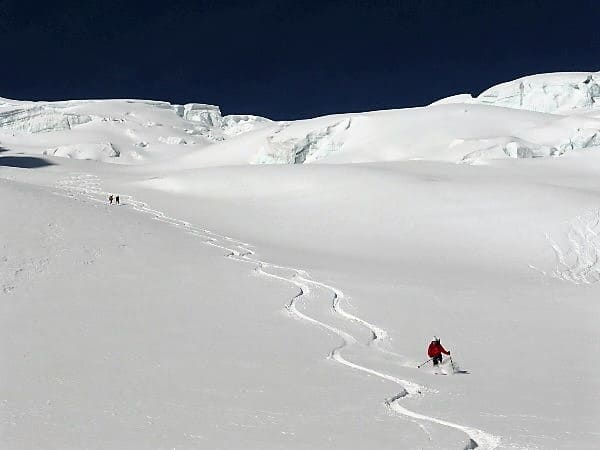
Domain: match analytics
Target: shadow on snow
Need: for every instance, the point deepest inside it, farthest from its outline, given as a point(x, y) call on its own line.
point(22, 162)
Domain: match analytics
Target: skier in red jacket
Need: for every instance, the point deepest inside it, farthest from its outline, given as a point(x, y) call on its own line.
point(435, 351)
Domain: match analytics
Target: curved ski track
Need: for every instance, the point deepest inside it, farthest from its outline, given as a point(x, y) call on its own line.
point(88, 187)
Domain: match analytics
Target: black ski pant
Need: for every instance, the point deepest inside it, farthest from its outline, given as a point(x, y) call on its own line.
point(437, 359)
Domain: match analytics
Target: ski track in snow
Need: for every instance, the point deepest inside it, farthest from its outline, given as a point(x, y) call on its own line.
point(88, 187)
point(578, 261)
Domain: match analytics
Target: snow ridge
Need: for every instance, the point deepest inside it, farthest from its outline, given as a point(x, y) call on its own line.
point(87, 187)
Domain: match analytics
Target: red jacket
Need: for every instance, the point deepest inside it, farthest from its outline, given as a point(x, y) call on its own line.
point(435, 349)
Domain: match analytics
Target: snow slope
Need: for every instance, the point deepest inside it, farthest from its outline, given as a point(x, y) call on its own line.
point(238, 304)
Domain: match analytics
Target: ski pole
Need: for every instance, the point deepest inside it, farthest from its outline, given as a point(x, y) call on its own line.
point(421, 365)
point(452, 364)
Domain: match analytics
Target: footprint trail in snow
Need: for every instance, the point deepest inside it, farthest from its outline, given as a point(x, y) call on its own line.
point(88, 187)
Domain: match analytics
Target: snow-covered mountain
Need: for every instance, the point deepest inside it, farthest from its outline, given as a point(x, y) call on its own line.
point(556, 113)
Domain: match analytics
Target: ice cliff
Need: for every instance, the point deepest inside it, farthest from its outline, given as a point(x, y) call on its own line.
point(126, 131)
point(553, 93)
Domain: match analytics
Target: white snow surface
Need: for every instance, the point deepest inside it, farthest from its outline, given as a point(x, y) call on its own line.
point(274, 285)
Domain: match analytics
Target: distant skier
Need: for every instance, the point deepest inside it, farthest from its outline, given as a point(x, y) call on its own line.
point(435, 351)
point(110, 199)
point(117, 200)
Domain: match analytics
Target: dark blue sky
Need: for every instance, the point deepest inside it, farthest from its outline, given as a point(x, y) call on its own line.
point(286, 59)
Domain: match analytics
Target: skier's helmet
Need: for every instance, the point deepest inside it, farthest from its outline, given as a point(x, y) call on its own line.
point(436, 339)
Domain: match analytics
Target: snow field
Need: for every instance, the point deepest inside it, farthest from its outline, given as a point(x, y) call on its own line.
point(89, 186)
point(431, 231)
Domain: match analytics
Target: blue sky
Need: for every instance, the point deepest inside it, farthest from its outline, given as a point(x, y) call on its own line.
point(288, 59)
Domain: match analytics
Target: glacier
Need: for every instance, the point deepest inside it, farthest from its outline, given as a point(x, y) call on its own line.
point(557, 113)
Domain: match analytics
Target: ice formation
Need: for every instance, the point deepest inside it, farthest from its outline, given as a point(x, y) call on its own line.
point(553, 93)
point(315, 145)
point(208, 116)
point(208, 121)
point(94, 129)
point(39, 118)
point(549, 93)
